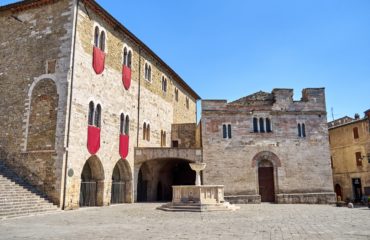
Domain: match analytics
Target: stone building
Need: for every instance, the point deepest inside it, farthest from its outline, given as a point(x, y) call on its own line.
point(350, 156)
point(78, 93)
point(91, 116)
point(267, 147)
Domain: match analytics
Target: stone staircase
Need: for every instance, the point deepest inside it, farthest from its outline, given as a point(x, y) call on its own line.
point(18, 198)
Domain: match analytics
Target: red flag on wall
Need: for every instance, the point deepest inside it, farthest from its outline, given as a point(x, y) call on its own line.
point(98, 60)
point(93, 139)
point(126, 77)
point(123, 145)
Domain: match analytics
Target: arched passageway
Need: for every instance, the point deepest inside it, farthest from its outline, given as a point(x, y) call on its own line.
point(156, 178)
point(92, 183)
point(121, 183)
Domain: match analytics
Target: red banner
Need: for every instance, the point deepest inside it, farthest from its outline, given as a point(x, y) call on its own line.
point(98, 60)
point(126, 77)
point(93, 139)
point(123, 145)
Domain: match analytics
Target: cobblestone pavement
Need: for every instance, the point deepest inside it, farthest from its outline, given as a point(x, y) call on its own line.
point(142, 221)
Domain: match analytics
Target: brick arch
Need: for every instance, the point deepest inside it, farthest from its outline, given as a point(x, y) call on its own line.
point(266, 155)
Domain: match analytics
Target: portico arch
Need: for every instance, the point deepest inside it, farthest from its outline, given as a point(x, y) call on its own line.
point(92, 183)
point(121, 183)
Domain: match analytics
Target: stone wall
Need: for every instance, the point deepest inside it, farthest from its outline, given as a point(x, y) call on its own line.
point(301, 164)
point(155, 107)
point(35, 48)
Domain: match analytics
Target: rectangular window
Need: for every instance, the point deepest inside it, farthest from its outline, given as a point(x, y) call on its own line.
point(358, 159)
point(229, 130)
point(355, 133)
point(226, 131)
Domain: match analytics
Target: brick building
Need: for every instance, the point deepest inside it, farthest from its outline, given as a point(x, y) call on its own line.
point(267, 147)
point(350, 156)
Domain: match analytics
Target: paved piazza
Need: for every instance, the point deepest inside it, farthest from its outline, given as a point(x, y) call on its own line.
point(142, 221)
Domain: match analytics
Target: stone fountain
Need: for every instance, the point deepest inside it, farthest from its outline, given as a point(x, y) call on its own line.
point(198, 197)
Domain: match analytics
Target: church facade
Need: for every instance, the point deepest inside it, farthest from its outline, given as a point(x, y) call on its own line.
point(267, 147)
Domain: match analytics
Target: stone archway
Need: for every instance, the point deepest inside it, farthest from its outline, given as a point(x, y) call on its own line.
point(266, 164)
point(156, 178)
point(92, 183)
point(121, 183)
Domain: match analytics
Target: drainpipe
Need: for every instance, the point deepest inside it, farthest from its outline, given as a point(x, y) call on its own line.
point(70, 104)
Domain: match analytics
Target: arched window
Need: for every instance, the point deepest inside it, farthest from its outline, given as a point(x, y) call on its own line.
point(144, 131)
point(229, 130)
point(102, 41)
point(224, 131)
point(262, 125)
point(91, 113)
point(164, 138)
point(355, 133)
point(148, 132)
point(127, 125)
point(149, 73)
point(299, 130)
point(146, 71)
point(187, 102)
point(303, 130)
point(129, 59)
point(122, 123)
point(164, 84)
point(97, 122)
point(96, 37)
point(161, 138)
point(255, 124)
point(176, 95)
point(268, 125)
point(125, 56)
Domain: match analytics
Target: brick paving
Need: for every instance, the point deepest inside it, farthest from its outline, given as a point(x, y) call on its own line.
point(142, 221)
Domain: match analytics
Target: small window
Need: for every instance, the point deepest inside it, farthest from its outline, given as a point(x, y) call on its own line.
point(102, 41)
point(299, 130)
point(368, 158)
point(268, 125)
point(98, 116)
point(176, 94)
point(144, 131)
point(127, 125)
point(355, 133)
point(164, 138)
point(303, 130)
point(96, 37)
point(164, 84)
point(255, 125)
point(226, 131)
point(262, 125)
point(358, 159)
point(148, 132)
point(146, 71)
point(129, 59)
point(149, 73)
point(331, 162)
point(122, 123)
point(91, 113)
point(125, 56)
point(187, 102)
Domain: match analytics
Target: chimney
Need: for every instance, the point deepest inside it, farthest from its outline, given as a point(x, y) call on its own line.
point(367, 114)
point(357, 116)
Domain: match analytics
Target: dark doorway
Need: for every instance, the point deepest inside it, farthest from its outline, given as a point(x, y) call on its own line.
point(92, 183)
point(338, 192)
point(142, 188)
point(175, 143)
point(118, 187)
point(357, 191)
point(266, 183)
point(156, 178)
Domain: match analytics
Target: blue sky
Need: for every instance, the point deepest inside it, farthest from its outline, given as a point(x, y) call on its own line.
point(226, 49)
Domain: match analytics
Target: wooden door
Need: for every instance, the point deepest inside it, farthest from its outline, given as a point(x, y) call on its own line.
point(266, 184)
